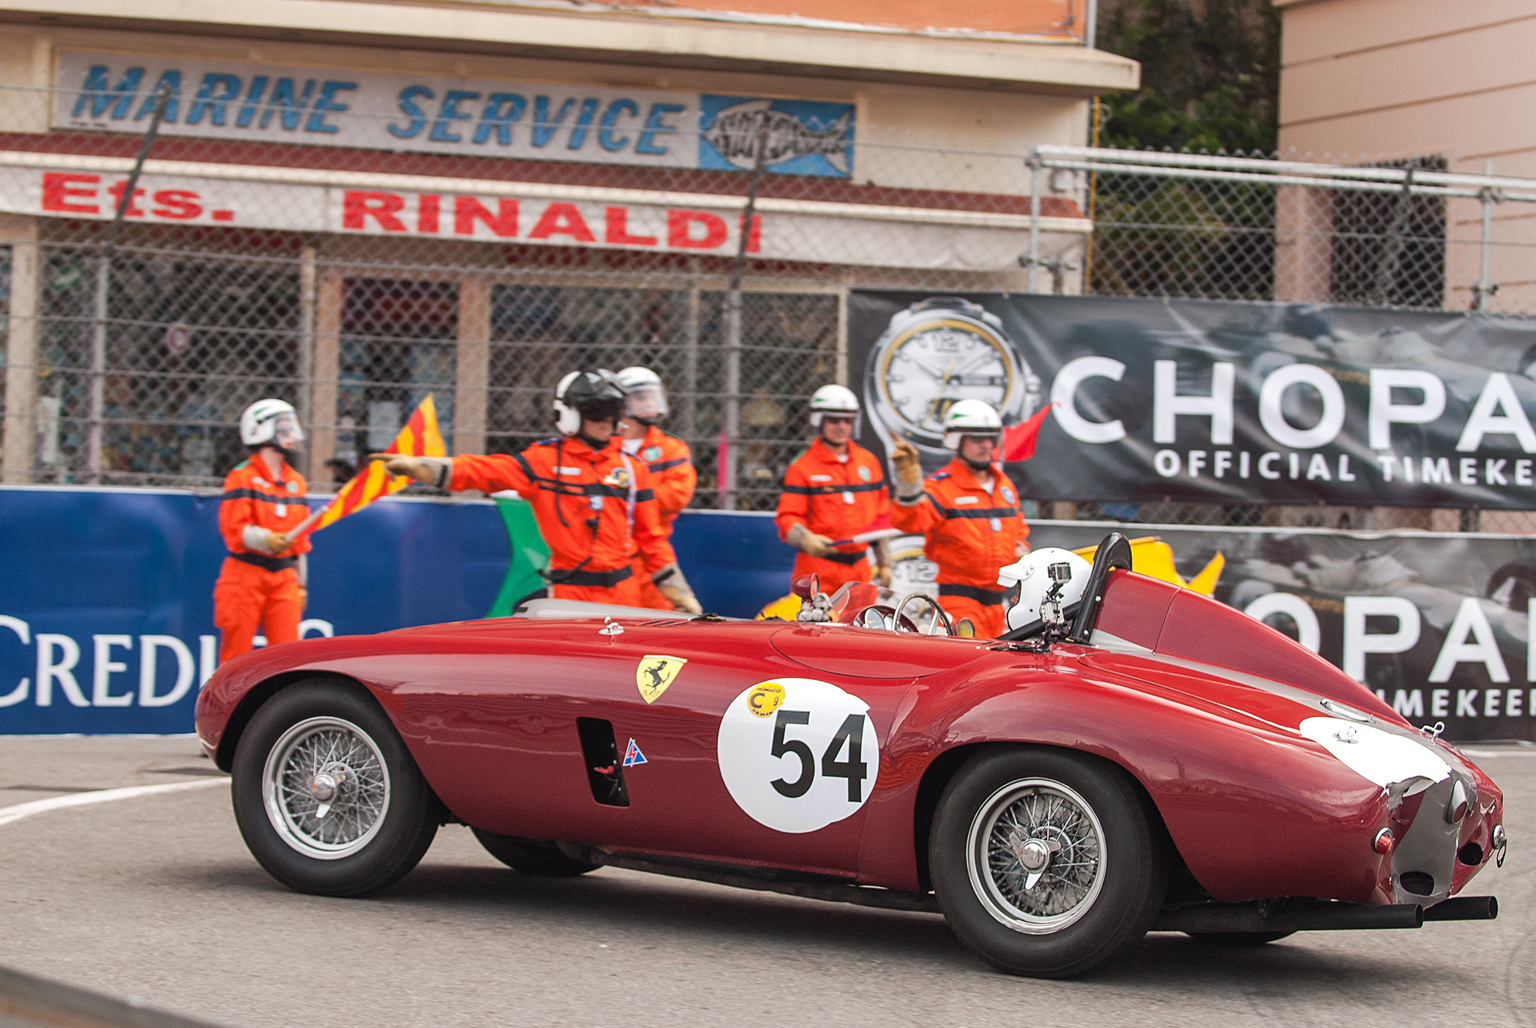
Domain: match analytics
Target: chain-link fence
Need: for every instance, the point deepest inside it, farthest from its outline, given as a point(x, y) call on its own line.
point(357, 282)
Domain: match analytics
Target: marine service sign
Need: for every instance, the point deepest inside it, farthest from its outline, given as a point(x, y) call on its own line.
point(430, 114)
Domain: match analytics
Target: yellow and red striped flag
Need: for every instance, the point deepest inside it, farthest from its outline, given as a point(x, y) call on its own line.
point(419, 438)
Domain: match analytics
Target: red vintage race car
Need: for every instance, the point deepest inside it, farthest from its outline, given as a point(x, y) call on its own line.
point(1149, 760)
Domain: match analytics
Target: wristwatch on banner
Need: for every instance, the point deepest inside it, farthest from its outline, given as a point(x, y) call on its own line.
point(933, 353)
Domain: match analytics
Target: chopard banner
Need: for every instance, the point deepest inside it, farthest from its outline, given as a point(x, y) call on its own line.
point(370, 110)
point(1436, 625)
point(1215, 401)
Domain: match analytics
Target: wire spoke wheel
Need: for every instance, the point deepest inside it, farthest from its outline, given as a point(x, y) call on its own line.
point(326, 788)
point(1035, 854)
point(1046, 862)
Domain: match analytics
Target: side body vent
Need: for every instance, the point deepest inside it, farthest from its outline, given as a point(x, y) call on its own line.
point(601, 753)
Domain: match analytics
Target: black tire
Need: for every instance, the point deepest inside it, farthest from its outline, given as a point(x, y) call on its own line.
point(532, 856)
point(1058, 802)
point(1238, 940)
point(386, 811)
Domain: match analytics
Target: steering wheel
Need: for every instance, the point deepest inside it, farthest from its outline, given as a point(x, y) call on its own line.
point(940, 616)
point(896, 619)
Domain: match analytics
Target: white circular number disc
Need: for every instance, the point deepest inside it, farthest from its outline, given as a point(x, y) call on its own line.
point(798, 754)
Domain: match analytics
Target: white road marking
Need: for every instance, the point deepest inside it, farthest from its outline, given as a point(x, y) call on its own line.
point(84, 799)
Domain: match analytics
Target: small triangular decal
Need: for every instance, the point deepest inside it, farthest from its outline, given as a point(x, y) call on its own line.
point(632, 755)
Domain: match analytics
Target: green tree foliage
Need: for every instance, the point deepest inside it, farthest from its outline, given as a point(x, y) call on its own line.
point(1210, 74)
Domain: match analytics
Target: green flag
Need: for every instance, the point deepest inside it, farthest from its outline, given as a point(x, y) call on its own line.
point(529, 554)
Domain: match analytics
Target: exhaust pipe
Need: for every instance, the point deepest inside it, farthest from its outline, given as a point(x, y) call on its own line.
point(1464, 908)
point(1287, 916)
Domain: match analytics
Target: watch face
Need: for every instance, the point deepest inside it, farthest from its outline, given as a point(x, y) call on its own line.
point(935, 362)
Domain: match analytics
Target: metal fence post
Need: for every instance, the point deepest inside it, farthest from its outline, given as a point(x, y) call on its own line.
point(304, 393)
point(1484, 287)
point(96, 411)
point(19, 459)
point(1034, 163)
point(730, 414)
point(690, 390)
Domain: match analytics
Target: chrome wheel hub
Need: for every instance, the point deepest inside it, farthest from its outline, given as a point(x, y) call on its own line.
point(325, 787)
point(1035, 855)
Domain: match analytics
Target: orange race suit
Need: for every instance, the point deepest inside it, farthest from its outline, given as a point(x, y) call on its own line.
point(673, 477)
point(971, 532)
point(590, 504)
point(837, 497)
point(257, 589)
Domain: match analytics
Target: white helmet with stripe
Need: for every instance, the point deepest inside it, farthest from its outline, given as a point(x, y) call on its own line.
point(969, 417)
point(833, 399)
point(644, 398)
point(271, 421)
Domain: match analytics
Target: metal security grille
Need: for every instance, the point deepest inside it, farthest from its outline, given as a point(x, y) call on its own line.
point(432, 279)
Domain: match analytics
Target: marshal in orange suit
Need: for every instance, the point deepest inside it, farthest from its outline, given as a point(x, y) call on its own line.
point(262, 584)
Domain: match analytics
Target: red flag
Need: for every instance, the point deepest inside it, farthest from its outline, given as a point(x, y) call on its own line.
point(420, 437)
point(1019, 440)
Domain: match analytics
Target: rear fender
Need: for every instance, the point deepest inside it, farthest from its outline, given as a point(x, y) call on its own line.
point(1253, 810)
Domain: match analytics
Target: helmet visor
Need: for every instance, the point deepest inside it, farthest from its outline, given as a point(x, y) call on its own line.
point(601, 409)
point(286, 433)
point(646, 403)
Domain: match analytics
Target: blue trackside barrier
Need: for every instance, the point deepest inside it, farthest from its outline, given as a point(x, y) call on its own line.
point(106, 595)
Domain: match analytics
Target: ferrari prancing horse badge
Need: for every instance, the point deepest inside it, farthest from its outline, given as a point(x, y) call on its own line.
point(654, 673)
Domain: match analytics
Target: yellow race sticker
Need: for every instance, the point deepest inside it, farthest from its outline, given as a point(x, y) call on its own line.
point(764, 699)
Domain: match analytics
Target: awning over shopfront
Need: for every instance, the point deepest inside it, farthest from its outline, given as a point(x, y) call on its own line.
point(540, 213)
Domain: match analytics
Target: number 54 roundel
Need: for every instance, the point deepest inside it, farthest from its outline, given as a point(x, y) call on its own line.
point(798, 754)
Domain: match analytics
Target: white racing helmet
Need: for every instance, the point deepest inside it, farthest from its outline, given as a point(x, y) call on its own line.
point(969, 417)
point(1031, 577)
point(837, 400)
point(589, 395)
point(644, 398)
point(271, 421)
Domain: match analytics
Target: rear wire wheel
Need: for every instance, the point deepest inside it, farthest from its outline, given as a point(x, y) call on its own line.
point(1044, 862)
point(326, 794)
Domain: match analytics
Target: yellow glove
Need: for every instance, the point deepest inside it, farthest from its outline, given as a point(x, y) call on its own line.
point(909, 469)
point(429, 470)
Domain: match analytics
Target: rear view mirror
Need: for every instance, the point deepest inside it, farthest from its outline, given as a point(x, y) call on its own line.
point(964, 629)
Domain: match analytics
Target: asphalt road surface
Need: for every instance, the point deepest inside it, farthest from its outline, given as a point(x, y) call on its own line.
point(154, 896)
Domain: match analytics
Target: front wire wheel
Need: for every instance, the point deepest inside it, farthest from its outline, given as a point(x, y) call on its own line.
point(325, 788)
point(327, 796)
point(1046, 862)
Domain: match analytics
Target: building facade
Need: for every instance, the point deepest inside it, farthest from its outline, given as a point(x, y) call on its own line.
point(1421, 84)
point(357, 204)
